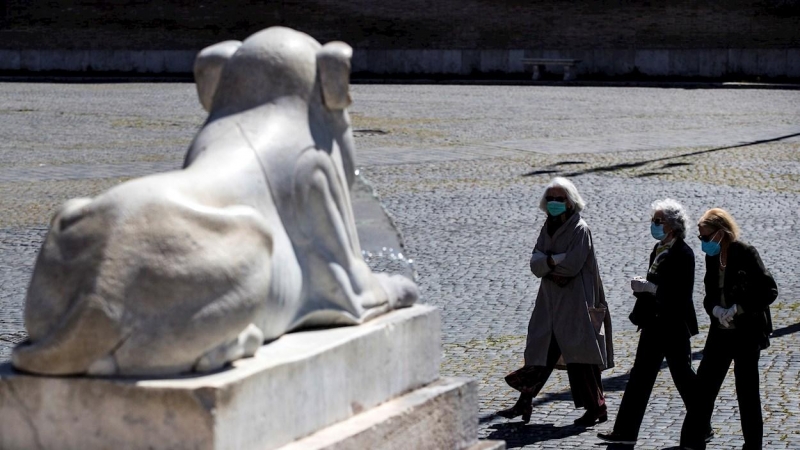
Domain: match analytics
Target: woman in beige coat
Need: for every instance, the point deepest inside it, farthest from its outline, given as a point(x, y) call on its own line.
point(570, 319)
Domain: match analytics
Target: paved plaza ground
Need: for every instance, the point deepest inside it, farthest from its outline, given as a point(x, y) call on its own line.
point(460, 169)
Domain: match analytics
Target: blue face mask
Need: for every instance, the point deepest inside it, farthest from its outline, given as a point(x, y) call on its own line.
point(657, 231)
point(710, 248)
point(556, 208)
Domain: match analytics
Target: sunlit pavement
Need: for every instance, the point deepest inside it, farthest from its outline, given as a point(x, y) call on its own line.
point(460, 169)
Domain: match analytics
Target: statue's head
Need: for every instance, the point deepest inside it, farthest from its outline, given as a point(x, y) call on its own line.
point(275, 63)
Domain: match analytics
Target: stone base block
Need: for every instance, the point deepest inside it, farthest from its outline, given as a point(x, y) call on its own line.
point(442, 415)
point(295, 386)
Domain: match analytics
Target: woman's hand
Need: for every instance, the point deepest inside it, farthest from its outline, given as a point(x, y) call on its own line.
point(639, 284)
point(725, 315)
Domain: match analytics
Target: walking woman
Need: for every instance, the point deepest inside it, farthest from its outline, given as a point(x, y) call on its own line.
point(739, 290)
point(570, 318)
point(664, 313)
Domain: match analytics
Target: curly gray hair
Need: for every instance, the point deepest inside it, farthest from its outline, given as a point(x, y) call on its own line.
point(674, 214)
point(573, 197)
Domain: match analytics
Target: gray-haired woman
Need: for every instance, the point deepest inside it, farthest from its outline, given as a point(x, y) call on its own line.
point(664, 312)
point(570, 318)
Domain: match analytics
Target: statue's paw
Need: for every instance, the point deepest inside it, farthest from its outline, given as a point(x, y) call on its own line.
point(244, 346)
point(250, 340)
point(401, 291)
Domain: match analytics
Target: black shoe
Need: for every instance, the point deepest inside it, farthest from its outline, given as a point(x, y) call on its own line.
point(617, 438)
point(523, 407)
point(516, 411)
point(591, 418)
point(709, 434)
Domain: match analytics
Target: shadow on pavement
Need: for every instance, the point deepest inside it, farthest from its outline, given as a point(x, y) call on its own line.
point(667, 158)
point(786, 330)
point(519, 435)
point(540, 172)
point(610, 384)
point(630, 165)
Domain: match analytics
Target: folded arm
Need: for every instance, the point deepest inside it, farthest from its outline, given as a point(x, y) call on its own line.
point(580, 246)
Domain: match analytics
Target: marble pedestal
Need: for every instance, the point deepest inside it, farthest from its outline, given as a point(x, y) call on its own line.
point(371, 386)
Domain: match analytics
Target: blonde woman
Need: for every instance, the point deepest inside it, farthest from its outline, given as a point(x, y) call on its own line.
point(739, 290)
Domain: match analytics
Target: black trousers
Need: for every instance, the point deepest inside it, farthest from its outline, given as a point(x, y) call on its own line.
point(722, 348)
point(656, 342)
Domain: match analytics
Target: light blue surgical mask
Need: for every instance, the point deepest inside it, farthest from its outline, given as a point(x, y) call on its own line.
point(657, 231)
point(710, 247)
point(556, 208)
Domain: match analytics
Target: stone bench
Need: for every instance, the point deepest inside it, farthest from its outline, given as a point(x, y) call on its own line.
point(539, 63)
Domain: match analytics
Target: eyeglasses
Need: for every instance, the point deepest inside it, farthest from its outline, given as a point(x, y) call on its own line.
point(657, 221)
point(555, 199)
point(706, 237)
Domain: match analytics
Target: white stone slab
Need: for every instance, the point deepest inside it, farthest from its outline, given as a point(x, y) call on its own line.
point(299, 384)
point(442, 415)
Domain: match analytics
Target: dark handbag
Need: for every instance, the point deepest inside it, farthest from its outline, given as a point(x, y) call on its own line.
point(644, 310)
point(598, 316)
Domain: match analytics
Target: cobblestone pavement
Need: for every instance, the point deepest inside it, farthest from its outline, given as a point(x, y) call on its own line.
point(460, 169)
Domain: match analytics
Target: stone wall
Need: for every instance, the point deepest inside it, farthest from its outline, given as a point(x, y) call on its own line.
point(691, 38)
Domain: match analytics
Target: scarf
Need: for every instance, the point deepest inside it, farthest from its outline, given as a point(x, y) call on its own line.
point(661, 252)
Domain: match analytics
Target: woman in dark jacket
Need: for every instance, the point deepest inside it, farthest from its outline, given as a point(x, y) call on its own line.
point(739, 290)
point(664, 313)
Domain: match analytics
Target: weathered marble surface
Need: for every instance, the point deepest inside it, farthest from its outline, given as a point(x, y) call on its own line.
point(301, 384)
point(189, 270)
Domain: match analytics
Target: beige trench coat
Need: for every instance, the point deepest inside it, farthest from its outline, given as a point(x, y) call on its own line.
point(563, 312)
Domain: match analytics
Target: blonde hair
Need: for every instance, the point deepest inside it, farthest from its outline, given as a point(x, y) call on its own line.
point(719, 219)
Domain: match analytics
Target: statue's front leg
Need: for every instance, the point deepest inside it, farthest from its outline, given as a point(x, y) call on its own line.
point(335, 274)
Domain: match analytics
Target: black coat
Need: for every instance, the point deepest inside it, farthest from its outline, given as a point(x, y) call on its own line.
point(672, 306)
point(748, 284)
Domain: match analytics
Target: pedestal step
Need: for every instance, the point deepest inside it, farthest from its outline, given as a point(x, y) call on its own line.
point(442, 415)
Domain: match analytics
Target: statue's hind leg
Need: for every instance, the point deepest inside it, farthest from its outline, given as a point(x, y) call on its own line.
point(244, 346)
point(85, 335)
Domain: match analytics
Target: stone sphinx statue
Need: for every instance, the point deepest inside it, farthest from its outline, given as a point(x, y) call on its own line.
point(191, 269)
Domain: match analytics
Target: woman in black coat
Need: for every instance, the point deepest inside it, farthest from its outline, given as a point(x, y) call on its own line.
point(664, 313)
point(739, 290)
